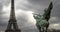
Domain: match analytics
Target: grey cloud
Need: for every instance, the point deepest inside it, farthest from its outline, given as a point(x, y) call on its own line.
point(31, 8)
point(56, 11)
point(54, 20)
point(3, 3)
point(56, 8)
point(36, 6)
point(1, 6)
point(39, 2)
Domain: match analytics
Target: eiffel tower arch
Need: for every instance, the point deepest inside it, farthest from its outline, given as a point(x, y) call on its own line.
point(12, 23)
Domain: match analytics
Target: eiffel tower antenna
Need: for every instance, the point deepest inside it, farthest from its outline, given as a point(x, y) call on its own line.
point(12, 24)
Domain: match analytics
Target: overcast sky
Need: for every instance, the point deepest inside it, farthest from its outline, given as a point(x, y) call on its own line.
point(24, 10)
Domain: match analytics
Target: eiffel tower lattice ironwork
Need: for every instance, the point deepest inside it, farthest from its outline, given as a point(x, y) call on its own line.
point(12, 24)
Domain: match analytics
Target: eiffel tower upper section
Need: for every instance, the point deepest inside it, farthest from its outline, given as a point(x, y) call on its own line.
point(12, 15)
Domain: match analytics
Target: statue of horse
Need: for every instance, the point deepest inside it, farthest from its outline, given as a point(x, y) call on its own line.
point(42, 20)
point(41, 23)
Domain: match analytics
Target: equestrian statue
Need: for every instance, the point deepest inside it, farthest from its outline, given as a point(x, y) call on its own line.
point(42, 20)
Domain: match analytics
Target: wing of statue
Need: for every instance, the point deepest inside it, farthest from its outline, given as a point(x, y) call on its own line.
point(47, 12)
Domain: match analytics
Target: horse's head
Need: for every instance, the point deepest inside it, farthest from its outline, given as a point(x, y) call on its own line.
point(36, 16)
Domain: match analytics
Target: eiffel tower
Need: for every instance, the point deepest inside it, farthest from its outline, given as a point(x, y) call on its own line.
point(12, 24)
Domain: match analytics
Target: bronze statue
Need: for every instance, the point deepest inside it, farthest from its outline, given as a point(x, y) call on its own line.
point(42, 20)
